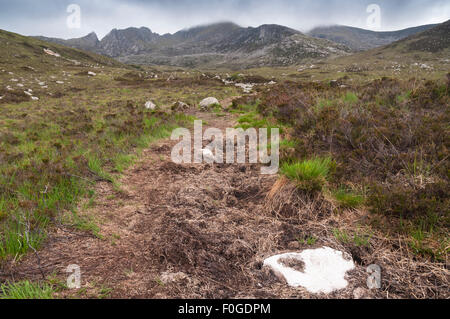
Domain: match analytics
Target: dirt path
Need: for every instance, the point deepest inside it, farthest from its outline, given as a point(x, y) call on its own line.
point(175, 231)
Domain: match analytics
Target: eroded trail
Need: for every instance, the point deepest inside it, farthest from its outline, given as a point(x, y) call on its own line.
point(181, 231)
point(192, 230)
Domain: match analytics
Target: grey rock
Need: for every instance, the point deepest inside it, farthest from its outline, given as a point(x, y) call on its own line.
point(207, 103)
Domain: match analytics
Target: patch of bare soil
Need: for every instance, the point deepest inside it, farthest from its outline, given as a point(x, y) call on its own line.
point(189, 231)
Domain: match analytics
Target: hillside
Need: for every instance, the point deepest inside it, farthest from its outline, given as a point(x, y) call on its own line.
point(31, 69)
point(361, 39)
point(221, 44)
point(17, 50)
point(433, 40)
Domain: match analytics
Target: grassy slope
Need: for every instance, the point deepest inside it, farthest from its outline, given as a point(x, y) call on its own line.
point(81, 130)
point(16, 48)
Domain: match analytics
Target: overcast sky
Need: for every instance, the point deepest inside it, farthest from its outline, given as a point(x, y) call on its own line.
point(49, 17)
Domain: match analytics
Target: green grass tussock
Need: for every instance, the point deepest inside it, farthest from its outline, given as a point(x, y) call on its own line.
point(309, 174)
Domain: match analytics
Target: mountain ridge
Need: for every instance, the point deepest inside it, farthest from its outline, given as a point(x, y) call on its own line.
point(228, 44)
point(361, 39)
point(223, 43)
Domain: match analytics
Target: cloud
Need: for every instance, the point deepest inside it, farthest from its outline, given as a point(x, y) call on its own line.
point(48, 17)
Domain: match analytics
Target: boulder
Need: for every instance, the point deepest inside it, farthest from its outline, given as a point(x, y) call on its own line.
point(207, 103)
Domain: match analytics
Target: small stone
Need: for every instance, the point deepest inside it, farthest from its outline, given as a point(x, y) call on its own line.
point(50, 52)
point(167, 277)
point(149, 105)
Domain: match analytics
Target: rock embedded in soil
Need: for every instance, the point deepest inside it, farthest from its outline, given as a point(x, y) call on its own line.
point(180, 106)
point(208, 102)
point(50, 52)
point(149, 105)
point(168, 277)
point(323, 269)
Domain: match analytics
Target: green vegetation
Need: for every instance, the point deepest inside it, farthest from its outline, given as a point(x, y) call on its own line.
point(348, 199)
point(358, 238)
point(309, 174)
point(390, 140)
point(26, 290)
point(350, 98)
point(309, 240)
point(80, 131)
point(80, 156)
